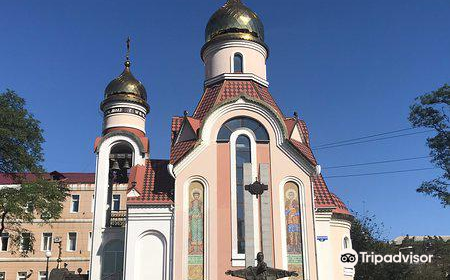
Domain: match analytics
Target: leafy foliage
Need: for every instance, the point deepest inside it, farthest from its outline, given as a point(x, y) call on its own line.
point(432, 111)
point(20, 136)
point(35, 196)
point(367, 236)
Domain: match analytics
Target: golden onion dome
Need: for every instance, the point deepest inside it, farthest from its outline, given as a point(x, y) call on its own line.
point(234, 21)
point(126, 88)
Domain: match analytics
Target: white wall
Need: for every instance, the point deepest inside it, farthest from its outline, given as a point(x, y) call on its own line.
point(148, 250)
point(218, 58)
point(100, 234)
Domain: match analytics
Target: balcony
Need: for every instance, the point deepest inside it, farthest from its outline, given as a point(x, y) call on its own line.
point(118, 218)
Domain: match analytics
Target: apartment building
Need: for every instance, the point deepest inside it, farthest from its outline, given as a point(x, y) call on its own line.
point(68, 238)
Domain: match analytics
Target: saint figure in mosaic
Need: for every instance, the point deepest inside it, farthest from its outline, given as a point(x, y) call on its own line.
point(196, 223)
point(196, 232)
point(293, 229)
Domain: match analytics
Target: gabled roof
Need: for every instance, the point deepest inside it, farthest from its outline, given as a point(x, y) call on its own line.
point(153, 183)
point(226, 90)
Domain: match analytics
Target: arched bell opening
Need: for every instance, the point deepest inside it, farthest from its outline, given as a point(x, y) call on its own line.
point(120, 163)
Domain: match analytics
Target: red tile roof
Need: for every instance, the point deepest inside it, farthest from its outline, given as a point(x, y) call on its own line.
point(323, 197)
point(229, 89)
point(68, 177)
point(304, 150)
point(155, 186)
point(341, 208)
point(180, 149)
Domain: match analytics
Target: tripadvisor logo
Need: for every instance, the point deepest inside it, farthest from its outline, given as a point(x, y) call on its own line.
point(349, 258)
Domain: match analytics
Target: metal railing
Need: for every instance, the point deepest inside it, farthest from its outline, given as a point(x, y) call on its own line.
point(118, 218)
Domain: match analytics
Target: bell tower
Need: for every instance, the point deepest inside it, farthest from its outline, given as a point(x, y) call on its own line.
point(125, 104)
point(123, 144)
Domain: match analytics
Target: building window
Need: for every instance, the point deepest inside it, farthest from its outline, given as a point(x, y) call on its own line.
point(30, 207)
point(47, 241)
point(112, 258)
point(292, 215)
point(25, 241)
point(21, 275)
point(238, 63)
point(72, 241)
point(93, 203)
point(4, 242)
point(2, 275)
point(116, 202)
point(232, 125)
point(346, 243)
point(41, 275)
point(196, 231)
point(243, 155)
point(75, 203)
point(89, 241)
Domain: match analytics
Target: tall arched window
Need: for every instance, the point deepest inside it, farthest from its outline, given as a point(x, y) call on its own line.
point(238, 62)
point(243, 155)
point(196, 249)
point(112, 262)
point(293, 219)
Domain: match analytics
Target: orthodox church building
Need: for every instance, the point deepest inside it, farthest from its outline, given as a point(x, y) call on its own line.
point(241, 177)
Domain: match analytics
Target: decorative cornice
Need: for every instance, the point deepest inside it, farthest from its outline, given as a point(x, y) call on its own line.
point(234, 76)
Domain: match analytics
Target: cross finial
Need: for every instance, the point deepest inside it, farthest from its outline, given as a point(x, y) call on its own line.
point(128, 48)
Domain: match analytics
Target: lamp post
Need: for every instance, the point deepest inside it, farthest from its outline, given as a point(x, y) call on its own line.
point(48, 254)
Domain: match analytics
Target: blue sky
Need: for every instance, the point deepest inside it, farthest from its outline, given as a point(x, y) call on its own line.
point(351, 68)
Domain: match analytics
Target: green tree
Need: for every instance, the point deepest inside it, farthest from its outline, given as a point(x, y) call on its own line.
point(431, 110)
point(35, 196)
point(367, 236)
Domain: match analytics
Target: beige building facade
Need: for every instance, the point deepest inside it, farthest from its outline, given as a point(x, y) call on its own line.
point(73, 230)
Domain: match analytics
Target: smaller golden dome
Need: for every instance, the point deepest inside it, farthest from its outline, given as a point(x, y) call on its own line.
point(125, 88)
point(235, 21)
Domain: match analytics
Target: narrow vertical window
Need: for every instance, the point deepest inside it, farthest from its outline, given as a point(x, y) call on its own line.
point(116, 202)
point(2, 275)
point(196, 231)
point(4, 242)
point(238, 63)
point(47, 241)
point(243, 155)
point(92, 203)
point(293, 229)
point(75, 203)
point(72, 241)
point(25, 241)
point(89, 241)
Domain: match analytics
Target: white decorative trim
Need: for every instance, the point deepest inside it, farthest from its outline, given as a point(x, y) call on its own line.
point(170, 170)
point(236, 76)
point(206, 243)
point(305, 226)
point(249, 133)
